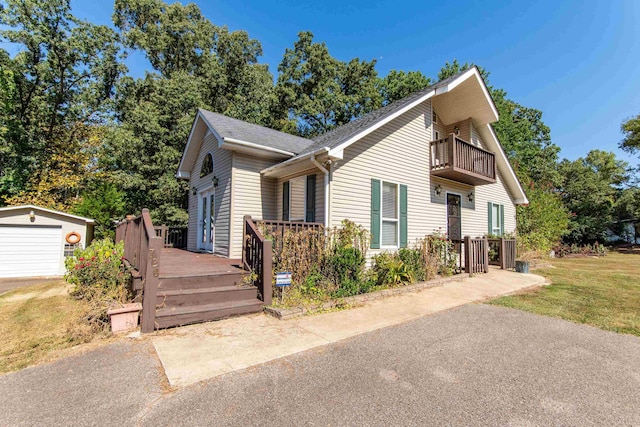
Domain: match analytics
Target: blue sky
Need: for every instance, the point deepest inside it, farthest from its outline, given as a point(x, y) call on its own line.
point(577, 61)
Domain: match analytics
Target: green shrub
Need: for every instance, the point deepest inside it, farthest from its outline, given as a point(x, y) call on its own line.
point(346, 264)
point(390, 270)
point(412, 258)
point(99, 277)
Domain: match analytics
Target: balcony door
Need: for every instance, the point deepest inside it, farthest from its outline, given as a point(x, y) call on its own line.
point(206, 224)
point(454, 217)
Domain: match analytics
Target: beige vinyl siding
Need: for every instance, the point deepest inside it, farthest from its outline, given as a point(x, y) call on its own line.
point(319, 193)
point(222, 198)
point(297, 194)
point(440, 128)
point(252, 195)
point(464, 127)
point(398, 152)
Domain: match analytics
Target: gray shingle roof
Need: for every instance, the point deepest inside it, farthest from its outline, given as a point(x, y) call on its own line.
point(228, 127)
point(343, 133)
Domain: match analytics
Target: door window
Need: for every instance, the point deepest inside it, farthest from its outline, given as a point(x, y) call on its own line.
point(454, 223)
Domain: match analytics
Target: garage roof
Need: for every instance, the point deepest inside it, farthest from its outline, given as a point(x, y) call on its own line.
point(34, 207)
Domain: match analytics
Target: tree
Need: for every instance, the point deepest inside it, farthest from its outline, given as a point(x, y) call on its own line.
point(105, 203)
point(399, 84)
point(197, 65)
point(316, 92)
point(543, 222)
point(631, 131)
point(590, 188)
point(59, 87)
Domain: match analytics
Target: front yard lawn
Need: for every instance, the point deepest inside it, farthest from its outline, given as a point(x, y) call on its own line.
point(38, 324)
point(599, 291)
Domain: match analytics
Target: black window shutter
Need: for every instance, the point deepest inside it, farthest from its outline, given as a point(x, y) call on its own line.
point(310, 214)
point(285, 201)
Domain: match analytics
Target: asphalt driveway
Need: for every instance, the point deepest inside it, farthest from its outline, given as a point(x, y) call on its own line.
point(472, 365)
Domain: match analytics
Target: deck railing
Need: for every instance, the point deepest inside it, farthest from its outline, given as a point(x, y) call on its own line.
point(257, 257)
point(278, 229)
point(505, 252)
point(142, 249)
point(173, 237)
point(455, 158)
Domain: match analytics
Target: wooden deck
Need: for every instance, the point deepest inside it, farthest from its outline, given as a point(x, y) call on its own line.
point(181, 263)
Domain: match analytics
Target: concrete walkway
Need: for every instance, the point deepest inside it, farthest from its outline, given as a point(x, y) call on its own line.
point(198, 352)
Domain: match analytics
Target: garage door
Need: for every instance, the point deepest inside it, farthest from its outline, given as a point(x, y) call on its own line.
point(30, 250)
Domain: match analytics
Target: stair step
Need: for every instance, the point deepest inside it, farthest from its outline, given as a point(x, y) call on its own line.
point(204, 296)
point(179, 316)
point(200, 281)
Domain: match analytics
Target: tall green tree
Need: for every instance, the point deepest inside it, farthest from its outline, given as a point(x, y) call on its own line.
point(317, 92)
point(196, 64)
point(400, 84)
point(631, 130)
point(590, 189)
point(59, 86)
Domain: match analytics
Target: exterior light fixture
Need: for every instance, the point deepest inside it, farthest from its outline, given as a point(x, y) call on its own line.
point(438, 189)
point(456, 130)
point(32, 215)
point(470, 197)
point(194, 191)
point(215, 181)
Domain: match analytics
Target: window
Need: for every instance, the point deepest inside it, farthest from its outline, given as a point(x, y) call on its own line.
point(436, 135)
point(496, 219)
point(389, 214)
point(389, 206)
point(69, 248)
point(434, 116)
point(207, 165)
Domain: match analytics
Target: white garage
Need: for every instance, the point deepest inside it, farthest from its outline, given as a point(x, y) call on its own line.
point(34, 241)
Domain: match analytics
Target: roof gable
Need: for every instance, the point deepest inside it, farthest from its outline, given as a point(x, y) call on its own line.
point(234, 134)
point(51, 211)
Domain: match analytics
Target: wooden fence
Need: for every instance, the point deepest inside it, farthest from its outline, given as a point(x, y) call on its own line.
point(142, 248)
point(476, 255)
point(503, 252)
point(257, 257)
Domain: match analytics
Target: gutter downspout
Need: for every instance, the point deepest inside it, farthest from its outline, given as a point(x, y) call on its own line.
point(326, 190)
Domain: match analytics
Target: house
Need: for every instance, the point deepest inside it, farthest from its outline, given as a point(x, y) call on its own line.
point(428, 162)
point(34, 241)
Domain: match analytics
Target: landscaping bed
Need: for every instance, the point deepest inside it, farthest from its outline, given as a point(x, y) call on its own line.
point(283, 313)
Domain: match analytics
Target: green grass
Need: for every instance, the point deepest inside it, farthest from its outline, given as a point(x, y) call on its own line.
point(603, 292)
point(39, 323)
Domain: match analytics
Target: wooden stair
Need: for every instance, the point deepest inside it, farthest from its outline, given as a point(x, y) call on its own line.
point(187, 299)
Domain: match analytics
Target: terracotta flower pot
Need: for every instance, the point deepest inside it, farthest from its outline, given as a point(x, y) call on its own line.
point(124, 318)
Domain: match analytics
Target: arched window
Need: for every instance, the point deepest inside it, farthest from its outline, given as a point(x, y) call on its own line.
point(207, 165)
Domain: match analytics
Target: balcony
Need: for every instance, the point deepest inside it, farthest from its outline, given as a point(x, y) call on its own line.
point(455, 159)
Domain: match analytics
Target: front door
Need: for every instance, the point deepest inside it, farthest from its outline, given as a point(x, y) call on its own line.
point(454, 223)
point(206, 224)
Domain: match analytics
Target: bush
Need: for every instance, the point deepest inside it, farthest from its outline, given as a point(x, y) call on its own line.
point(412, 259)
point(390, 270)
point(99, 278)
point(346, 264)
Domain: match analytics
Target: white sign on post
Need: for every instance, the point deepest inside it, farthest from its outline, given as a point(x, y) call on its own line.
point(283, 278)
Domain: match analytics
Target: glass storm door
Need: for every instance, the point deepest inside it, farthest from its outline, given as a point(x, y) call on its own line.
point(206, 226)
point(454, 223)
